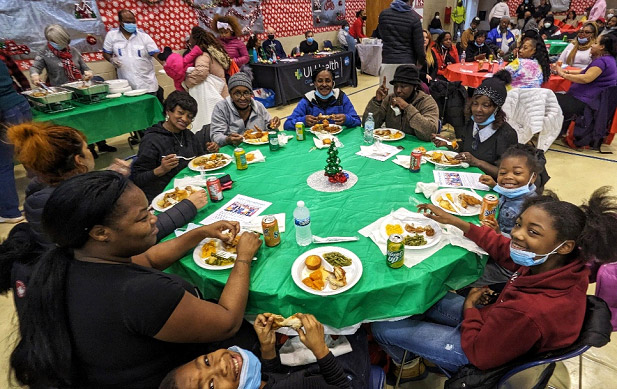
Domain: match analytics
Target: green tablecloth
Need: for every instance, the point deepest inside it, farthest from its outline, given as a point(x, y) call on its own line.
point(382, 292)
point(556, 46)
point(108, 118)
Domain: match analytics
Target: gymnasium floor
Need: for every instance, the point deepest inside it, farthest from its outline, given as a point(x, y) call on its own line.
point(574, 176)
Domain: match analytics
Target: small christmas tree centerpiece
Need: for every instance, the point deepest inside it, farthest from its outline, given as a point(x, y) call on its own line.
point(333, 169)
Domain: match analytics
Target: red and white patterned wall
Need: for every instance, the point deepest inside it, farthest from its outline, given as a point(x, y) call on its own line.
point(579, 6)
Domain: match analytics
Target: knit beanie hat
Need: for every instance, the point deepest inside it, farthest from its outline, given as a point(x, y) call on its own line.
point(239, 79)
point(495, 89)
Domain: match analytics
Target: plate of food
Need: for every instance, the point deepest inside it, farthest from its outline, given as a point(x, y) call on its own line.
point(326, 271)
point(256, 136)
point(388, 134)
point(443, 158)
point(209, 162)
point(418, 233)
point(214, 254)
point(326, 128)
point(458, 201)
point(171, 197)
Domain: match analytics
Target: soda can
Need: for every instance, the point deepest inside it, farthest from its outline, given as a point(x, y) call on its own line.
point(270, 227)
point(300, 131)
point(415, 161)
point(490, 58)
point(489, 207)
point(395, 257)
point(214, 189)
point(240, 157)
point(273, 140)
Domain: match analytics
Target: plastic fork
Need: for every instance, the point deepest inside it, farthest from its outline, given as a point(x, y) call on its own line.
point(181, 157)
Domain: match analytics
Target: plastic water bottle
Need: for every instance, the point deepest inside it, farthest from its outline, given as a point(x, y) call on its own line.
point(463, 56)
point(302, 221)
point(369, 127)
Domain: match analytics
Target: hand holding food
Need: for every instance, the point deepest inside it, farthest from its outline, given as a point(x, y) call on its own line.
point(292, 321)
point(35, 78)
point(310, 120)
point(467, 157)
point(474, 296)
point(266, 335)
point(275, 122)
point(199, 198)
point(438, 142)
point(168, 163)
point(218, 230)
point(398, 102)
point(212, 147)
point(339, 118)
point(313, 335)
point(492, 223)
point(235, 139)
point(382, 91)
point(487, 180)
point(248, 245)
point(437, 214)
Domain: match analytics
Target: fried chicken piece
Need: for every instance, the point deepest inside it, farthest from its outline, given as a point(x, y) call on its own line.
point(279, 321)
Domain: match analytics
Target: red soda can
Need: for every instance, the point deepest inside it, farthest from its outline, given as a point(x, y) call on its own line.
point(214, 189)
point(415, 161)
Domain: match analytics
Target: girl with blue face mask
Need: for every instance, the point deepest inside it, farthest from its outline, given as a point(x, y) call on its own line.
point(541, 308)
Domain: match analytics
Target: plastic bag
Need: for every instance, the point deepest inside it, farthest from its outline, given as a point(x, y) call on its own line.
point(265, 96)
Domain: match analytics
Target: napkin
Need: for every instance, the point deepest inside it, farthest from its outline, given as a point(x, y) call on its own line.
point(189, 227)
point(404, 161)
point(295, 353)
point(427, 189)
point(378, 151)
point(414, 257)
point(254, 224)
point(259, 157)
point(283, 138)
point(320, 137)
point(190, 181)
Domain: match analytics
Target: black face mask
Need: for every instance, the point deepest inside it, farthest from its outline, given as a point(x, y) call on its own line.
point(364, 17)
point(271, 37)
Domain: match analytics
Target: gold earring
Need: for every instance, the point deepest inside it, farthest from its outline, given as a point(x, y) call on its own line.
point(166, 118)
point(190, 126)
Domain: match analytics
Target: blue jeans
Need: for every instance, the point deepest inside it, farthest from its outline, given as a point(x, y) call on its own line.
point(435, 30)
point(439, 340)
point(9, 201)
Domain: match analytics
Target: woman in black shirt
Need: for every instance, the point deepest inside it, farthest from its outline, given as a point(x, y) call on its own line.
point(478, 50)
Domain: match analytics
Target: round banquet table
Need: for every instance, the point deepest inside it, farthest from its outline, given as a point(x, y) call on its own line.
point(469, 76)
point(382, 292)
point(555, 47)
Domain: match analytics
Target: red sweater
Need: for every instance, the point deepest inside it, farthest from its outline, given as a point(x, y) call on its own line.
point(534, 313)
point(356, 29)
point(442, 63)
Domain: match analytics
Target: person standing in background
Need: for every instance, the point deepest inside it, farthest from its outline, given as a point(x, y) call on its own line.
point(498, 11)
point(400, 30)
point(458, 16)
point(357, 26)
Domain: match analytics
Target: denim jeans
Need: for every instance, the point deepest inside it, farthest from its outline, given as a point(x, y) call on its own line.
point(438, 340)
point(435, 30)
point(9, 201)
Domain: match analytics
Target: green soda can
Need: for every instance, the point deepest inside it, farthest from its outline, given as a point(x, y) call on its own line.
point(395, 256)
point(300, 131)
point(273, 140)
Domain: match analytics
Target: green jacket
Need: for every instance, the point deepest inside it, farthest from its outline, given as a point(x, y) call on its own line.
point(459, 14)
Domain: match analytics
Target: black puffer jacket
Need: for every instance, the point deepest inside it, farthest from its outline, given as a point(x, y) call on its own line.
point(401, 33)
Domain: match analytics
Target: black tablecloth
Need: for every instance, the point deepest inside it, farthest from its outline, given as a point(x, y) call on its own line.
point(291, 80)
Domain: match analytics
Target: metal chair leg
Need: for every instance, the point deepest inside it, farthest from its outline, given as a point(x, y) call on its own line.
point(400, 373)
point(580, 371)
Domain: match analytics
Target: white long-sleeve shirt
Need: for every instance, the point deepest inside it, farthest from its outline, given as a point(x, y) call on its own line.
point(582, 58)
point(499, 10)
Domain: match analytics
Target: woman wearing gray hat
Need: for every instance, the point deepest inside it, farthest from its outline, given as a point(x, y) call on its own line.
point(487, 134)
point(239, 112)
point(408, 109)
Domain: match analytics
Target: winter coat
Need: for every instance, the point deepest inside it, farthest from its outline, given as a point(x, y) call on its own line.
point(176, 65)
point(443, 62)
point(401, 34)
point(473, 50)
point(451, 98)
point(236, 50)
point(533, 313)
point(226, 120)
point(204, 66)
point(339, 103)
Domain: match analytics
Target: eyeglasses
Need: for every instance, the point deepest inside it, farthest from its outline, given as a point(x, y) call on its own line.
point(238, 94)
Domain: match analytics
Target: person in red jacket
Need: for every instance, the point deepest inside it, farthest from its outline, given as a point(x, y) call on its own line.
point(356, 27)
point(542, 306)
point(445, 52)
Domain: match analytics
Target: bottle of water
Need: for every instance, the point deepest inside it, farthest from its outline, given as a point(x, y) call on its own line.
point(302, 221)
point(463, 56)
point(369, 127)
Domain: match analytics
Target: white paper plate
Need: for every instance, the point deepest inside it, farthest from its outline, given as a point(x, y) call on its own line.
point(120, 90)
point(418, 222)
point(340, 129)
point(469, 211)
point(258, 156)
point(389, 138)
point(201, 262)
point(119, 83)
point(200, 169)
point(446, 152)
point(136, 92)
point(353, 271)
point(160, 197)
point(255, 142)
point(114, 95)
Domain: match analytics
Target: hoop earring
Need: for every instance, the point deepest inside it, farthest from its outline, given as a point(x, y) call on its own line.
point(190, 126)
point(166, 118)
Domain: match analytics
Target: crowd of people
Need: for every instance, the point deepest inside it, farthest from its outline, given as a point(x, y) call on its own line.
point(91, 258)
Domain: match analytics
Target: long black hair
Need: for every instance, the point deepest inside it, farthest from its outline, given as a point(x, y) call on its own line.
point(43, 355)
point(541, 54)
point(592, 226)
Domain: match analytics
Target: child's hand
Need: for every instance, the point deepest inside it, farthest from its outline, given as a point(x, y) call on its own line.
point(266, 335)
point(313, 335)
point(492, 223)
point(487, 180)
point(475, 296)
point(437, 214)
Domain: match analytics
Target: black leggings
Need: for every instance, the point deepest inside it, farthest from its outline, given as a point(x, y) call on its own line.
point(571, 107)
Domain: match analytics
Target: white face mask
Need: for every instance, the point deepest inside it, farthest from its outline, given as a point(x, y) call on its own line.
point(609, 16)
point(547, 25)
point(437, 17)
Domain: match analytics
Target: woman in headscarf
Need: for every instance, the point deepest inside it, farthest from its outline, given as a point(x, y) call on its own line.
point(64, 64)
point(578, 52)
point(229, 30)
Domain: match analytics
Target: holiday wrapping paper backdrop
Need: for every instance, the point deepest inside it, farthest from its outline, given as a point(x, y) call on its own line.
point(579, 6)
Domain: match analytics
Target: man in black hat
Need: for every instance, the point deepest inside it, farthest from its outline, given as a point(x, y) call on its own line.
point(469, 33)
point(408, 109)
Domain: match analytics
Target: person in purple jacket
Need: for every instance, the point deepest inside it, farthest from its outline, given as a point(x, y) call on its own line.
point(324, 100)
point(587, 84)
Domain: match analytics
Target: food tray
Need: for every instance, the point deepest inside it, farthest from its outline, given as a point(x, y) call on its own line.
point(80, 89)
point(58, 95)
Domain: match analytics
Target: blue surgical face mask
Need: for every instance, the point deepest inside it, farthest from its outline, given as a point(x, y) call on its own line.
point(129, 27)
point(57, 46)
point(513, 193)
point(526, 258)
point(582, 41)
point(346, 28)
point(487, 121)
point(326, 97)
point(250, 374)
point(478, 44)
point(309, 40)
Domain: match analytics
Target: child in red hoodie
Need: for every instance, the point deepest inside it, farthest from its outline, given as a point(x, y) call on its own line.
point(543, 304)
point(176, 65)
